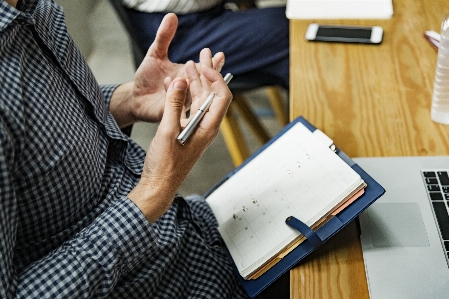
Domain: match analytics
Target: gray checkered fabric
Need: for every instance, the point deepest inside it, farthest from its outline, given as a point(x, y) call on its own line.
point(67, 229)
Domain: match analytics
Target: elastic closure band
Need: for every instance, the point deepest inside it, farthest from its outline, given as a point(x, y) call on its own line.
point(305, 230)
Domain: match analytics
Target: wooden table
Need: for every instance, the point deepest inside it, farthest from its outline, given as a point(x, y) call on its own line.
point(372, 101)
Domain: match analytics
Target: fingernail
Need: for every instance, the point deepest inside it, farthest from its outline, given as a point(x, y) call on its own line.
point(180, 85)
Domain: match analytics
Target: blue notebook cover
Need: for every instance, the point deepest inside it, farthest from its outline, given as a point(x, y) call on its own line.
point(372, 192)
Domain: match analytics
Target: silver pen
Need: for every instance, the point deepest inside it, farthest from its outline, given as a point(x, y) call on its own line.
point(193, 123)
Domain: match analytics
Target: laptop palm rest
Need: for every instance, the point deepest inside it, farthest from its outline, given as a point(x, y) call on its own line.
point(397, 224)
point(402, 251)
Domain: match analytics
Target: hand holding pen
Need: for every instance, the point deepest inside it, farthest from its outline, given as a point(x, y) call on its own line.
point(193, 123)
point(167, 162)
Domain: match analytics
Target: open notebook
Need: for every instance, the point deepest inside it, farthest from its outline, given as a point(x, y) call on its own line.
point(300, 175)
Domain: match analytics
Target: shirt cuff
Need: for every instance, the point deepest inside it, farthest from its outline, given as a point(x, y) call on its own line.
point(107, 90)
point(124, 230)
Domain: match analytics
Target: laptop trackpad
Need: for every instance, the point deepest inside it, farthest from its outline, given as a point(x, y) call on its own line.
point(397, 225)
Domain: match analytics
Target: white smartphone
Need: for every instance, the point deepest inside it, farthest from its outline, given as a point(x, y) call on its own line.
point(344, 34)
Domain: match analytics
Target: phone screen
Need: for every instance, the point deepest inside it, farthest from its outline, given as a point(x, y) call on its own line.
point(344, 32)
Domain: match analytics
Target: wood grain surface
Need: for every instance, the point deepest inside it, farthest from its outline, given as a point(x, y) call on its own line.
point(372, 100)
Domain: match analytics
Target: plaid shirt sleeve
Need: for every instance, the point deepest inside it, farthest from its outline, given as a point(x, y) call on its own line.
point(107, 90)
point(8, 219)
point(53, 241)
point(67, 229)
point(88, 265)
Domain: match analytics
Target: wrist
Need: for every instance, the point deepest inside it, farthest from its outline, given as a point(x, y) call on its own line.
point(120, 105)
point(151, 201)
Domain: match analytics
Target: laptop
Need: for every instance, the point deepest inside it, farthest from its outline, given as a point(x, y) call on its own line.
point(405, 233)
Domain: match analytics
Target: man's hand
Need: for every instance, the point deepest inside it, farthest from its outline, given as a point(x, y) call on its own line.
point(168, 162)
point(143, 99)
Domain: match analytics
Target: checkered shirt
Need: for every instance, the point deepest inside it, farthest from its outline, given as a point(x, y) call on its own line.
point(67, 229)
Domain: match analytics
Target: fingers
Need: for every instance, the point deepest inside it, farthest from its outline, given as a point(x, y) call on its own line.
point(218, 61)
point(199, 85)
point(222, 93)
point(174, 104)
point(167, 82)
point(209, 79)
point(202, 81)
point(164, 36)
point(206, 57)
point(194, 80)
point(205, 60)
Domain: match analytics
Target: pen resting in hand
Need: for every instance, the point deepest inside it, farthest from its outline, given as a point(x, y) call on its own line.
point(168, 162)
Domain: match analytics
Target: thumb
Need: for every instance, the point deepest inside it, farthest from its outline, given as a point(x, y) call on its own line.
point(164, 36)
point(174, 103)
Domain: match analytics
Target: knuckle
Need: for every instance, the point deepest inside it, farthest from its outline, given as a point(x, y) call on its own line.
point(176, 100)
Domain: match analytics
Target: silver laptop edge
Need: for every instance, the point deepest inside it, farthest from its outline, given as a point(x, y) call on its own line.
point(402, 249)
